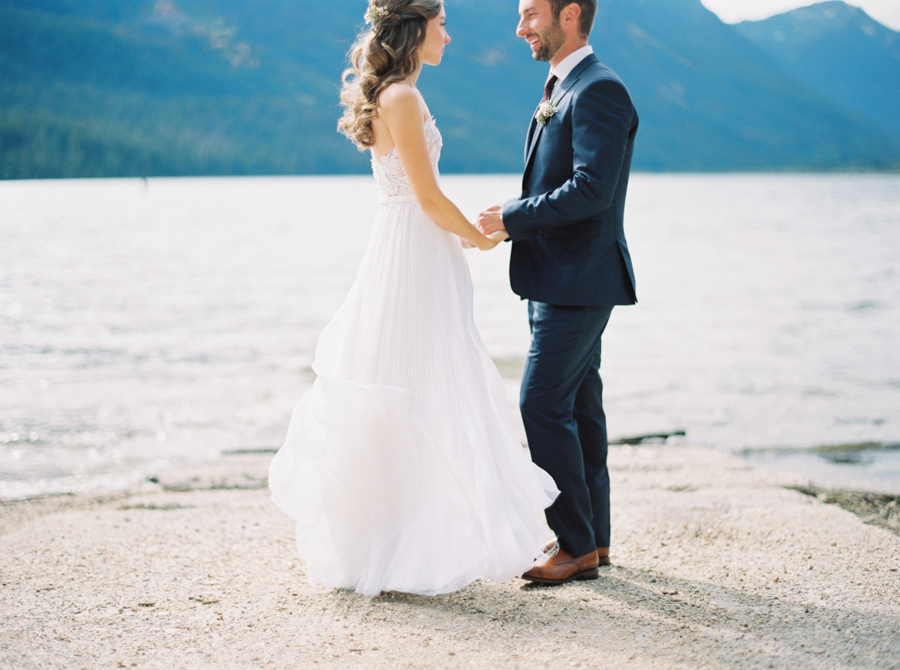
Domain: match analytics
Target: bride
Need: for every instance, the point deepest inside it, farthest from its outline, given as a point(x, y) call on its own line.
point(401, 465)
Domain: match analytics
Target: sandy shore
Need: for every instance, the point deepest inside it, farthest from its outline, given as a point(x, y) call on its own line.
point(716, 565)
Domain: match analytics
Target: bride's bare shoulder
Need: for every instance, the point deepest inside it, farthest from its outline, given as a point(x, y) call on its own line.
point(401, 99)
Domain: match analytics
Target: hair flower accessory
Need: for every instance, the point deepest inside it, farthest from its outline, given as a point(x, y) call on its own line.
point(545, 111)
point(375, 13)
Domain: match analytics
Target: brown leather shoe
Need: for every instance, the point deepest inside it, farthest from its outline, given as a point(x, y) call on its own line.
point(603, 555)
point(561, 568)
point(602, 552)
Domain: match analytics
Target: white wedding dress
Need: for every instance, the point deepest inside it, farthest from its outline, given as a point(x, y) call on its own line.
point(401, 465)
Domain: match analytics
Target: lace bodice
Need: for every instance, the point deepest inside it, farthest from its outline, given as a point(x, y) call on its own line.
point(389, 173)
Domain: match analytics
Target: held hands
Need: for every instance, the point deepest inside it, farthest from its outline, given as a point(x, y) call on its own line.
point(490, 224)
point(487, 242)
point(491, 221)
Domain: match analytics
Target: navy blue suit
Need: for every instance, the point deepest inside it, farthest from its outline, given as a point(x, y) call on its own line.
point(571, 262)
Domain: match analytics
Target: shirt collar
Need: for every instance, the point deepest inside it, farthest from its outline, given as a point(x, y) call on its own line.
point(569, 62)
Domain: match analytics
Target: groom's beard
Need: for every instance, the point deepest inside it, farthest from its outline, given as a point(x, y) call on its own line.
point(552, 40)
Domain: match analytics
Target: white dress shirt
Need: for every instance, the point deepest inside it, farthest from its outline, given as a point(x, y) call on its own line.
point(568, 64)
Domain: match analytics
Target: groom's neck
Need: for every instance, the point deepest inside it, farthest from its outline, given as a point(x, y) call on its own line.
point(571, 45)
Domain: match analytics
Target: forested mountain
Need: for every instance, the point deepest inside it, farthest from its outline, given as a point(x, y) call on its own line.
point(709, 100)
point(840, 52)
point(183, 87)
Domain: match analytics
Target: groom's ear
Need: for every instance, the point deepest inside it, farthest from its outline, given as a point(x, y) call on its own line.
point(569, 17)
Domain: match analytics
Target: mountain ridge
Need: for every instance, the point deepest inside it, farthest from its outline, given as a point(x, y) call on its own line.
point(803, 40)
point(181, 87)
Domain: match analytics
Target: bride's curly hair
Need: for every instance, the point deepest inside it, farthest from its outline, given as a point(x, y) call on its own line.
point(385, 53)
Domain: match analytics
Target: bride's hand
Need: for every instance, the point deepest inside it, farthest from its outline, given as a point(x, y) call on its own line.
point(492, 240)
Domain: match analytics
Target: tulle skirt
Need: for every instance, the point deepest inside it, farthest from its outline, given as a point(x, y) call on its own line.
point(401, 465)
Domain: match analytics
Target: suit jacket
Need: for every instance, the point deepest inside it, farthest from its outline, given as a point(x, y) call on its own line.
point(567, 230)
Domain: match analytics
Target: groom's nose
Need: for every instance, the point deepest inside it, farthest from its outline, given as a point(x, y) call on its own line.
point(520, 29)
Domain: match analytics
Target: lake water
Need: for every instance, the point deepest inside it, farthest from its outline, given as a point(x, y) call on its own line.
point(151, 324)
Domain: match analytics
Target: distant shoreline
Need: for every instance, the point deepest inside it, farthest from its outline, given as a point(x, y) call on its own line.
point(798, 171)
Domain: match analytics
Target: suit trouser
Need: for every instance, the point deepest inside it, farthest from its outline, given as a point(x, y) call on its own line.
point(562, 409)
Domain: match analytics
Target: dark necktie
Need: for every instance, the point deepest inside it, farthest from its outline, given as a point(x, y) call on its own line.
point(548, 87)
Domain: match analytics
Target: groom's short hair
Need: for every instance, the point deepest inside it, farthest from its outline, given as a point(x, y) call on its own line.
point(588, 12)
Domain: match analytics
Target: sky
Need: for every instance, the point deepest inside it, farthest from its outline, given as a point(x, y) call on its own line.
point(732, 11)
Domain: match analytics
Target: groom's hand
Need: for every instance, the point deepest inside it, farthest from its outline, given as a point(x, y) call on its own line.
point(491, 220)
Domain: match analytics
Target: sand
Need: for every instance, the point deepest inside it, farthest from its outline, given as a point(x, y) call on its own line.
point(716, 565)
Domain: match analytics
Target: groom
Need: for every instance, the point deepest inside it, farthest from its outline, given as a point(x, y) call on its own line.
point(570, 261)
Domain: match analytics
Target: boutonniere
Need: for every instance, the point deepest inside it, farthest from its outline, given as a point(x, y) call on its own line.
point(545, 112)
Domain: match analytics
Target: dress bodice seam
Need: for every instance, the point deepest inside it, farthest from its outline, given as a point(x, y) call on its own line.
point(393, 149)
point(388, 169)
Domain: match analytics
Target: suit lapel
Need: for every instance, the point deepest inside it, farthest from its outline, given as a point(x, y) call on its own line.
point(534, 135)
point(534, 131)
point(532, 127)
